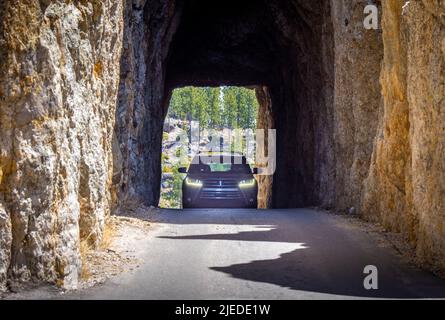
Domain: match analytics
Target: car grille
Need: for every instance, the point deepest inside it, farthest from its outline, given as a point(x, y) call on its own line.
point(219, 189)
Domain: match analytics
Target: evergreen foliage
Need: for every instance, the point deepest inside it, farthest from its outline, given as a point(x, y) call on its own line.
point(216, 108)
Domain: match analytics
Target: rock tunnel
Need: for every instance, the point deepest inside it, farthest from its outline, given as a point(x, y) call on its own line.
point(282, 48)
point(85, 87)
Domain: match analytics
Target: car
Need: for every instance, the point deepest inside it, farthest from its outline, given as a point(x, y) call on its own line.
point(219, 181)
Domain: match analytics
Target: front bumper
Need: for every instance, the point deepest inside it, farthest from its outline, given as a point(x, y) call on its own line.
point(212, 197)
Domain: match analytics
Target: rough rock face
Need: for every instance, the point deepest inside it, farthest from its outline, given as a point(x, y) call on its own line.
point(356, 104)
point(58, 84)
point(264, 122)
point(406, 185)
point(388, 141)
point(149, 27)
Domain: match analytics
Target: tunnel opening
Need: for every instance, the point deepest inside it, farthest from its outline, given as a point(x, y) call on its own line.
point(212, 121)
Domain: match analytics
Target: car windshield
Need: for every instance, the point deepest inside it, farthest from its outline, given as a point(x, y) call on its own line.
point(220, 165)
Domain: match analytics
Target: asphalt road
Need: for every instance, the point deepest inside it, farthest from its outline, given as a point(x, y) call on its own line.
point(274, 254)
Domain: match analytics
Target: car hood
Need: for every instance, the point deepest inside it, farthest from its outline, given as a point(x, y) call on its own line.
point(222, 176)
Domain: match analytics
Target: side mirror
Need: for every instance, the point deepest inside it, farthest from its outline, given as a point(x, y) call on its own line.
point(182, 170)
point(255, 171)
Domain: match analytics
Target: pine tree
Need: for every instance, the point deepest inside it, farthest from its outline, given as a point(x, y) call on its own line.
point(230, 112)
point(215, 108)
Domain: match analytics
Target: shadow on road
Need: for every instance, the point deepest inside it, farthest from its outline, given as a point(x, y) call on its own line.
point(332, 261)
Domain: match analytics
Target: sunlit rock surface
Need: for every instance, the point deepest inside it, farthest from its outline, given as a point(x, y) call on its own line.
point(406, 186)
point(59, 76)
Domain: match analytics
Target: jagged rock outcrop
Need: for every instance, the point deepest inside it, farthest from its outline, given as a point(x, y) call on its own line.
point(264, 122)
point(59, 76)
point(406, 186)
point(388, 141)
point(143, 99)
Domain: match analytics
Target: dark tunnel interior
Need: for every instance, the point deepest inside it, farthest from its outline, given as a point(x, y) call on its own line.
point(283, 48)
point(277, 44)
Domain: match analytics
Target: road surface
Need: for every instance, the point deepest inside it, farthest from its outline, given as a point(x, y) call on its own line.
point(273, 254)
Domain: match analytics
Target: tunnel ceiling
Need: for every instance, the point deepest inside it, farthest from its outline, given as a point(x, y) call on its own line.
point(237, 42)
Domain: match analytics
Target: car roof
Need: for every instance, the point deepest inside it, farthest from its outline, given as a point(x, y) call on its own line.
point(219, 155)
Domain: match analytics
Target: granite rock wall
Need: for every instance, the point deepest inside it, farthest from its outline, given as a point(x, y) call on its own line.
point(59, 74)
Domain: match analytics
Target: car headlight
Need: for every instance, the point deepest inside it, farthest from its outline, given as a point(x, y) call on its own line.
point(193, 182)
point(247, 183)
